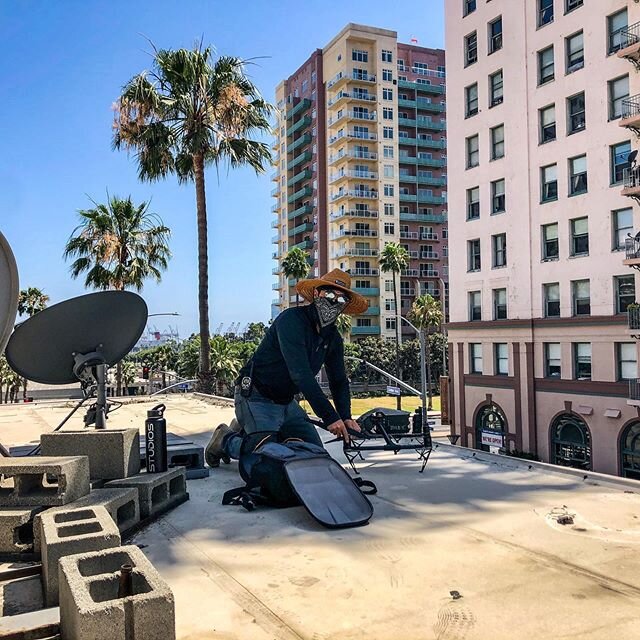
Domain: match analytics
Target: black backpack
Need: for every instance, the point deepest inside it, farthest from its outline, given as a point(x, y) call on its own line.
point(294, 472)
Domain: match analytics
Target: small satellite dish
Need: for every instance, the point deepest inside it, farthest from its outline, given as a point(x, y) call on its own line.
point(9, 290)
point(631, 158)
point(77, 340)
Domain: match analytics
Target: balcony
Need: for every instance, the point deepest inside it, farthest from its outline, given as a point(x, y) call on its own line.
point(276, 286)
point(371, 311)
point(275, 255)
point(301, 124)
point(434, 273)
point(631, 113)
point(429, 181)
point(303, 175)
point(425, 236)
point(632, 251)
point(305, 244)
point(434, 107)
point(275, 192)
point(434, 293)
point(432, 255)
point(408, 235)
point(420, 86)
point(300, 211)
point(353, 135)
point(409, 273)
point(631, 182)
point(275, 208)
point(424, 217)
point(634, 393)
point(633, 318)
point(355, 253)
point(302, 193)
point(419, 142)
point(305, 156)
point(300, 142)
point(276, 302)
point(301, 228)
point(630, 43)
point(275, 239)
point(352, 115)
point(425, 162)
point(275, 176)
point(276, 271)
point(342, 78)
point(367, 291)
point(274, 224)
point(354, 95)
point(361, 175)
point(301, 107)
point(358, 155)
point(354, 193)
point(363, 272)
point(360, 233)
point(353, 213)
point(425, 199)
point(423, 123)
point(365, 331)
point(404, 291)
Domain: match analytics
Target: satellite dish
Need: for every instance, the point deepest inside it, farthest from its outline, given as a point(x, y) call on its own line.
point(77, 340)
point(631, 158)
point(9, 290)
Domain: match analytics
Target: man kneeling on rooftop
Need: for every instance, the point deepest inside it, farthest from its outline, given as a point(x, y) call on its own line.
point(296, 345)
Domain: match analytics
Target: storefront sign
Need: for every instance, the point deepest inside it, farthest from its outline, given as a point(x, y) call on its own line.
point(492, 439)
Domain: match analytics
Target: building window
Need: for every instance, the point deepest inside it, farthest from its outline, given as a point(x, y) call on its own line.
point(475, 357)
point(550, 241)
point(499, 250)
point(471, 100)
point(387, 56)
point(388, 171)
point(552, 361)
point(390, 324)
point(387, 75)
point(570, 5)
point(473, 203)
point(582, 360)
point(619, 161)
point(473, 250)
point(581, 294)
point(622, 227)
point(473, 152)
point(475, 305)
point(498, 203)
point(615, 24)
point(387, 113)
point(389, 228)
point(469, 7)
point(625, 287)
point(387, 94)
point(387, 151)
point(358, 55)
point(546, 67)
point(576, 115)
point(471, 48)
point(496, 94)
point(388, 190)
point(549, 183)
point(577, 175)
point(545, 12)
point(552, 300)
point(547, 124)
point(501, 353)
point(388, 209)
point(574, 46)
point(497, 142)
point(495, 35)
point(499, 304)
point(580, 237)
point(627, 360)
point(618, 93)
point(387, 133)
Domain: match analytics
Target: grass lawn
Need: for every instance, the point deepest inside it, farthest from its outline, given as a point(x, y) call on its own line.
point(362, 405)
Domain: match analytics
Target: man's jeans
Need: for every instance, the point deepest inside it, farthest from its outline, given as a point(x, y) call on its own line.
point(257, 413)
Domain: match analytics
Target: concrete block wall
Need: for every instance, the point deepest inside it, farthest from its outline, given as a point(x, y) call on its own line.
point(90, 606)
point(43, 481)
point(68, 532)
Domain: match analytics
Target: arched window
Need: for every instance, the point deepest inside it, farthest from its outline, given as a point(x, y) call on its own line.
point(630, 451)
point(571, 442)
point(491, 427)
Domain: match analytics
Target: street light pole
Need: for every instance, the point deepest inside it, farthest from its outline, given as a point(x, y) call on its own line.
point(443, 297)
point(423, 370)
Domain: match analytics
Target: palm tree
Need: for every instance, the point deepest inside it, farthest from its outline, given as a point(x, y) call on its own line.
point(296, 265)
point(189, 112)
point(394, 258)
point(30, 302)
point(118, 245)
point(343, 323)
point(426, 314)
point(225, 362)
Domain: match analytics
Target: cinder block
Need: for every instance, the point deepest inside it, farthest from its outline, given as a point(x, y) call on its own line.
point(123, 506)
point(69, 532)
point(17, 530)
point(91, 608)
point(112, 453)
point(158, 492)
point(43, 482)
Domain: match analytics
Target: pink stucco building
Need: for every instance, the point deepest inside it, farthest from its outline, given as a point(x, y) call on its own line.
point(542, 359)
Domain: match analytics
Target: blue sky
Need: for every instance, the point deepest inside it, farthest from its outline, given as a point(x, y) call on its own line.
point(64, 63)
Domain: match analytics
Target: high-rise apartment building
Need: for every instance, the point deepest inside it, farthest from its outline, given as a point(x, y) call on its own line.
point(540, 350)
point(361, 161)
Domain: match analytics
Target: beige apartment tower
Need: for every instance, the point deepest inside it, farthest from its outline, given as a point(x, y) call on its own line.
point(360, 162)
point(542, 355)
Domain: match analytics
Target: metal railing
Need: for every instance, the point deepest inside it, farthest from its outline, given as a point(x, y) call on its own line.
point(366, 233)
point(354, 213)
point(632, 247)
point(631, 177)
point(363, 272)
point(356, 115)
point(634, 389)
point(409, 235)
point(630, 35)
point(633, 318)
point(366, 175)
point(631, 107)
point(354, 95)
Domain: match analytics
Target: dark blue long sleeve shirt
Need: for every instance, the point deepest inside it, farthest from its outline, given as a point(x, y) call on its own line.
point(291, 355)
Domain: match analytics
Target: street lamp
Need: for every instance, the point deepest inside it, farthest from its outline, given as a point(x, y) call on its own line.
point(423, 371)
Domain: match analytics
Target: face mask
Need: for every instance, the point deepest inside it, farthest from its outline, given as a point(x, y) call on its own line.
point(328, 311)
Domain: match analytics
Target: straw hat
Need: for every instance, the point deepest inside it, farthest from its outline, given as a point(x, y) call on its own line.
point(336, 279)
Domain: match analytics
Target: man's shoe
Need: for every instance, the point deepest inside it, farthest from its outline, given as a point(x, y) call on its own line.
point(214, 452)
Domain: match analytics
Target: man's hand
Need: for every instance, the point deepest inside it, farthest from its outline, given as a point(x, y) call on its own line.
point(339, 429)
point(352, 424)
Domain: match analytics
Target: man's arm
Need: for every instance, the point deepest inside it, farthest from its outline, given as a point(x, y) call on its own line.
point(338, 381)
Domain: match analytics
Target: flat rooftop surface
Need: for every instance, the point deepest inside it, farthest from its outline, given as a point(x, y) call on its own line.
point(485, 528)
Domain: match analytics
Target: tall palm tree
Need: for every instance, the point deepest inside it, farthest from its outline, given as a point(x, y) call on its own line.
point(118, 245)
point(296, 265)
point(426, 314)
point(30, 302)
point(189, 112)
point(394, 258)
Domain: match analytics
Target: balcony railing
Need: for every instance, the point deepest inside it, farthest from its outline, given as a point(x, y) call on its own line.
point(359, 135)
point(430, 274)
point(355, 253)
point(409, 235)
point(354, 213)
point(305, 244)
point(300, 142)
point(432, 73)
point(304, 209)
point(423, 217)
point(301, 228)
point(413, 197)
point(302, 193)
point(426, 162)
point(363, 272)
point(355, 95)
point(433, 255)
point(355, 115)
point(421, 86)
point(361, 77)
point(354, 193)
point(301, 124)
point(430, 181)
point(633, 318)
point(630, 35)
point(427, 236)
point(275, 207)
point(631, 177)
point(276, 271)
point(631, 107)
point(409, 273)
point(365, 331)
point(365, 175)
point(305, 156)
point(407, 292)
point(275, 191)
point(363, 233)
point(429, 144)
point(367, 291)
point(275, 239)
point(301, 107)
point(358, 155)
point(632, 247)
point(634, 389)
